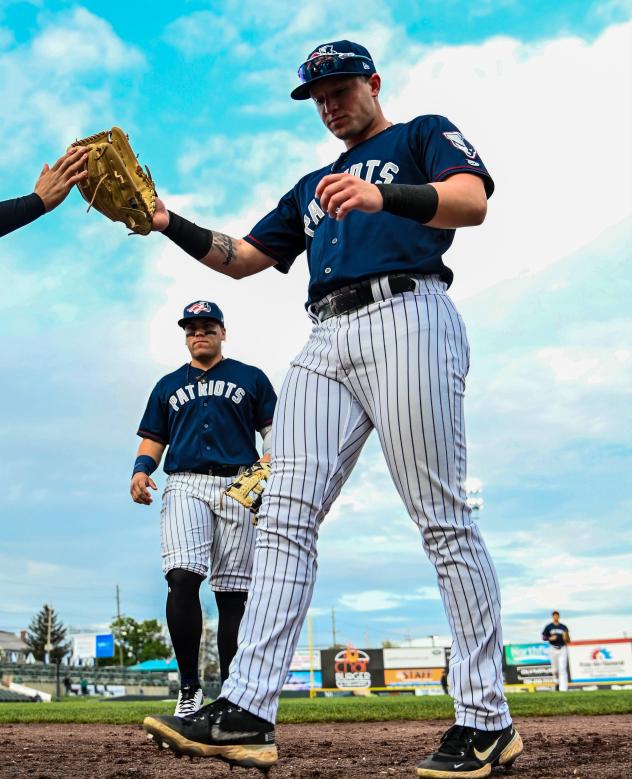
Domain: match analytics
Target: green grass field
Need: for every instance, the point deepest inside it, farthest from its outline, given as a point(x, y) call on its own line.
point(372, 709)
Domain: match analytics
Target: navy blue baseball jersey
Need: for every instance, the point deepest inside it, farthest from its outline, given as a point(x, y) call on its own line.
point(209, 418)
point(426, 149)
point(557, 631)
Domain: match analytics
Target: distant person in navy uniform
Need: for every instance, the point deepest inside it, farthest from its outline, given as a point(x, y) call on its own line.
point(205, 414)
point(556, 633)
point(51, 189)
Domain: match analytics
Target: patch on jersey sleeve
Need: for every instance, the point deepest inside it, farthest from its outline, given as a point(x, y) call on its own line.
point(459, 142)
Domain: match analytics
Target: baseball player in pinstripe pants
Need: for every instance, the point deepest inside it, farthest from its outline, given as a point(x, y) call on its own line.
point(388, 352)
point(205, 414)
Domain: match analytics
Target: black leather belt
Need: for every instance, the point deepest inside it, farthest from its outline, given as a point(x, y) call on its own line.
point(218, 470)
point(358, 295)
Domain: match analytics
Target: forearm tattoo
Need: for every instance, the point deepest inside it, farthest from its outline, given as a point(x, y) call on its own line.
point(224, 245)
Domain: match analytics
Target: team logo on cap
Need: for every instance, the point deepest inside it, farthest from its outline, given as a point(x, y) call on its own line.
point(199, 307)
point(459, 142)
point(322, 50)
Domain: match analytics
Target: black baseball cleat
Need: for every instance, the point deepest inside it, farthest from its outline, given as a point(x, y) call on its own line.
point(465, 751)
point(220, 730)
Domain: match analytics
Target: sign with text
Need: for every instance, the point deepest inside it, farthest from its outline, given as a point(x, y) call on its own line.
point(536, 653)
point(412, 677)
point(529, 674)
point(414, 657)
point(301, 660)
point(351, 668)
point(609, 660)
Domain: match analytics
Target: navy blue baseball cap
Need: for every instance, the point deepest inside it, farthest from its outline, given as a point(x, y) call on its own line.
point(340, 58)
point(201, 309)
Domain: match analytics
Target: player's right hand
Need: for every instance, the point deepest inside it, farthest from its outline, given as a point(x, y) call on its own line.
point(160, 219)
point(138, 488)
point(54, 184)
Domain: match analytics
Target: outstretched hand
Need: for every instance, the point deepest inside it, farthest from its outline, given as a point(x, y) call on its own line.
point(341, 193)
point(54, 184)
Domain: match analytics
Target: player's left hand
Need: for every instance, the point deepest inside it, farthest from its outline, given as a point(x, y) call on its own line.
point(341, 193)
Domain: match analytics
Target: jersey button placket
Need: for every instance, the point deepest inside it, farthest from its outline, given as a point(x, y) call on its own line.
point(333, 242)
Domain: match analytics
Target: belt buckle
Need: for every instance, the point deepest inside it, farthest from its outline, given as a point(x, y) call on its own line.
point(344, 301)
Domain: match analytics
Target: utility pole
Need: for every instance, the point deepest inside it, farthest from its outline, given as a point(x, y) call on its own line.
point(118, 618)
point(333, 626)
point(310, 643)
point(48, 648)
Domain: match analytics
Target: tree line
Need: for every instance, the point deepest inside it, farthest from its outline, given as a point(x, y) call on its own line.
point(134, 641)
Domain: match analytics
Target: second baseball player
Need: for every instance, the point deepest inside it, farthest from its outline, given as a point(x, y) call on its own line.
point(205, 414)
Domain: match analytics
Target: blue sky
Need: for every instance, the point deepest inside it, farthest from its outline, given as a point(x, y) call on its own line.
point(88, 315)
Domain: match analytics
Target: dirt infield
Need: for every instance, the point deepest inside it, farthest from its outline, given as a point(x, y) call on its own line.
point(560, 747)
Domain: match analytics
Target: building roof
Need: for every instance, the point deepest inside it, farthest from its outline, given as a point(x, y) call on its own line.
point(9, 642)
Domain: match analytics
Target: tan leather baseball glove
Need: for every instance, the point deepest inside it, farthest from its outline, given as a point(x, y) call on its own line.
point(116, 184)
point(248, 487)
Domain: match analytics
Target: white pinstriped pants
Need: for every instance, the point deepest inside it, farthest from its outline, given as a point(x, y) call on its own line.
point(398, 366)
point(199, 527)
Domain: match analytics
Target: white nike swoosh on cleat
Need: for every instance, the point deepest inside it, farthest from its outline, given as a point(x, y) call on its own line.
point(458, 765)
point(217, 734)
point(483, 756)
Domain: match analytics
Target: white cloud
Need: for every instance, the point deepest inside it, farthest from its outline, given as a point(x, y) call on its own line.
point(583, 568)
point(381, 600)
point(201, 33)
point(59, 81)
point(536, 113)
point(82, 43)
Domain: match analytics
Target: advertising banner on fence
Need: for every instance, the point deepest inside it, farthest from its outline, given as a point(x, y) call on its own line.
point(412, 677)
point(414, 657)
point(87, 646)
point(609, 660)
point(351, 668)
point(300, 660)
point(536, 653)
point(84, 646)
point(104, 645)
point(528, 674)
point(299, 680)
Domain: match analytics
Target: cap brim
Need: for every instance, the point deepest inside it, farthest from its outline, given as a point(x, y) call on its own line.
point(302, 91)
point(183, 322)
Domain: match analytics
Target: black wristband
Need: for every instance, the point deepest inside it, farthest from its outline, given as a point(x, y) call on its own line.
point(20, 211)
point(192, 238)
point(414, 201)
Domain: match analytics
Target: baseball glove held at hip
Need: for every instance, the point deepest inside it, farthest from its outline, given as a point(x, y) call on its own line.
point(117, 185)
point(248, 487)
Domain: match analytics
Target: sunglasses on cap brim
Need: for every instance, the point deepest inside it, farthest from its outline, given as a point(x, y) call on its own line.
point(326, 64)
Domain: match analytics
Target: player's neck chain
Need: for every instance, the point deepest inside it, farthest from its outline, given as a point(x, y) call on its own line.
point(201, 377)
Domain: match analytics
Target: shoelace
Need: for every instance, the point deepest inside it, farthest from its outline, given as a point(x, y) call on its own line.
point(456, 740)
point(186, 704)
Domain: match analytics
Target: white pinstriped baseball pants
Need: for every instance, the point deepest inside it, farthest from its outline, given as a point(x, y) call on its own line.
point(398, 366)
point(200, 528)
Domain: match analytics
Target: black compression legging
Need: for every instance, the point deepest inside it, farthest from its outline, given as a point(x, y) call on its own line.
point(230, 606)
point(184, 620)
